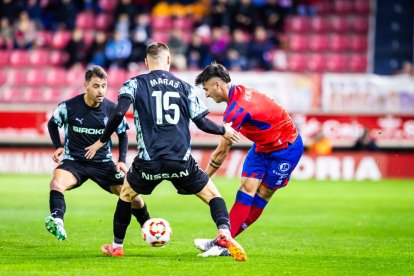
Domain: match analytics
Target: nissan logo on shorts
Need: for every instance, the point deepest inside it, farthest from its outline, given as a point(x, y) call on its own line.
point(284, 167)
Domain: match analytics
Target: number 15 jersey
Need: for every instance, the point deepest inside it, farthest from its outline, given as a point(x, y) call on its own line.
point(163, 105)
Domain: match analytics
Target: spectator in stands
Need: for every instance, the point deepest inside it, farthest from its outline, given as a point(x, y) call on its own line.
point(237, 51)
point(25, 32)
point(141, 36)
point(272, 16)
point(243, 16)
point(218, 45)
point(406, 69)
point(118, 51)
point(178, 50)
point(125, 7)
point(96, 53)
point(365, 142)
point(10, 9)
point(320, 144)
point(6, 34)
point(260, 50)
point(64, 15)
point(75, 49)
point(219, 14)
point(34, 10)
point(198, 55)
point(122, 25)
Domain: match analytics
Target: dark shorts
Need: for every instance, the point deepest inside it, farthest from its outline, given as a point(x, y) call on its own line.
point(186, 176)
point(104, 174)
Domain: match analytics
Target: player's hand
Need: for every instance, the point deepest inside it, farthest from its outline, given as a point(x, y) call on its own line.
point(231, 134)
point(92, 149)
point(121, 166)
point(58, 152)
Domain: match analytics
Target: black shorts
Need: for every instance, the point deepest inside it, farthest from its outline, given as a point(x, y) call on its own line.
point(186, 176)
point(104, 174)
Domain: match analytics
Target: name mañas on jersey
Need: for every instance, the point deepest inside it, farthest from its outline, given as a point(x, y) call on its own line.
point(88, 130)
point(158, 176)
point(164, 81)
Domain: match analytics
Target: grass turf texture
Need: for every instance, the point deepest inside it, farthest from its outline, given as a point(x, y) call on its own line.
point(308, 228)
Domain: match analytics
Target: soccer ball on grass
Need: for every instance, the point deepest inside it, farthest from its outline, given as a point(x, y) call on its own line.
point(156, 232)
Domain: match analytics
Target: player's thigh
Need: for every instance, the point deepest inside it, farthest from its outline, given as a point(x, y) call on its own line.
point(254, 169)
point(209, 192)
point(62, 180)
point(127, 193)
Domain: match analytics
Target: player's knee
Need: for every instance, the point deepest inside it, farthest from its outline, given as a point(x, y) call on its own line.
point(138, 202)
point(58, 185)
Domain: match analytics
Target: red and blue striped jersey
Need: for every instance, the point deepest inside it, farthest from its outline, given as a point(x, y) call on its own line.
point(260, 118)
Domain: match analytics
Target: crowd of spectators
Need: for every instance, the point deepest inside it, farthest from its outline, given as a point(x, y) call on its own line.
point(241, 34)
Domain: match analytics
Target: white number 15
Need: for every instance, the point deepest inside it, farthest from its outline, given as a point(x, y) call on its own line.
point(163, 104)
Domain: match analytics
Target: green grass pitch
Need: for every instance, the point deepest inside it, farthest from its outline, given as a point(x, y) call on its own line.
point(309, 228)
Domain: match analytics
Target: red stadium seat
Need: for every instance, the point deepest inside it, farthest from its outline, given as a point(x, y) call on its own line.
point(35, 77)
point(340, 24)
point(319, 42)
point(338, 42)
point(58, 57)
point(85, 20)
point(108, 5)
point(17, 77)
point(336, 63)
point(55, 95)
point(360, 24)
point(343, 6)
point(161, 23)
point(44, 38)
point(3, 76)
point(323, 7)
point(320, 24)
point(297, 62)
point(357, 63)
point(116, 77)
point(16, 95)
point(316, 63)
point(184, 23)
point(55, 77)
point(161, 36)
point(60, 39)
point(112, 94)
point(19, 58)
point(362, 7)
point(358, 42)
point(297, 24)
point(4, 58)
point(298, 42)
point(39, 57)
point(75, 76)
point(103, 21)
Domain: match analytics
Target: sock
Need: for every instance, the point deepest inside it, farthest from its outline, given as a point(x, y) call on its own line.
point(256, 210)
point(141, 215)
point(122, 218)
point(239, 211)
point(218, 211)
point(57, 204)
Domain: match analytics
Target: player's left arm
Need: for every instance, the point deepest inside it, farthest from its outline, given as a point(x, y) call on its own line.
point(122, 146)
point(218, 156)
point(113, 123)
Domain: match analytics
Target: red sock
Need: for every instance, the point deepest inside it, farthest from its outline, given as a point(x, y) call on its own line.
point(254, 214)
point(239, 211)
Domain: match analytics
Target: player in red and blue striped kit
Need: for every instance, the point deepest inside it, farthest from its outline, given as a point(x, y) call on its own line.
point(269, 163)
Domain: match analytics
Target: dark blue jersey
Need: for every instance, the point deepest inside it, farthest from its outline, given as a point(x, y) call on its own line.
point(83, 125)
point(163, 107)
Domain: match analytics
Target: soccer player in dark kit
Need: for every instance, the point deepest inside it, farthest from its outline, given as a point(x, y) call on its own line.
point(83, 118)
point(163, 106)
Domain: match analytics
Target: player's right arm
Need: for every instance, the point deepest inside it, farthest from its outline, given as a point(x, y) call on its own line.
point(218, 156)
point(58, 118)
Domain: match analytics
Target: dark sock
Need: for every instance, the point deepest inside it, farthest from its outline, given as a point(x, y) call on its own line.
point(141, 215)
point(57, 204)
point(219, 213)
point(122, 218)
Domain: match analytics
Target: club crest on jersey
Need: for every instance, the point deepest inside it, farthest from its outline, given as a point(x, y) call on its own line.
point(105, 120)
point(284, 167)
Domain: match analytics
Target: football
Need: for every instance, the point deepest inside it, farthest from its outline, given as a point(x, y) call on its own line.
point(156, 232)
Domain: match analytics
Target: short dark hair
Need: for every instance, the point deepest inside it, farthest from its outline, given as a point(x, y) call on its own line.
point(95, 71)
point(155, 48)
point(213, 70)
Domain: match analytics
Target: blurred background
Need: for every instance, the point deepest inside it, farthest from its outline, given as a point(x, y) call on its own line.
point(342, 68)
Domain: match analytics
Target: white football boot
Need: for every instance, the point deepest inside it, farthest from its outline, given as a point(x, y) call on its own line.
point(215, 251)
point(55, 226)
point(204, 244)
